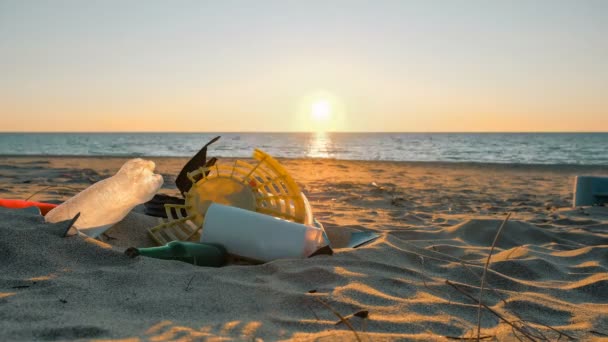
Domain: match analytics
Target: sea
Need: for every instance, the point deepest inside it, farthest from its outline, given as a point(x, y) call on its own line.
point(511, 148)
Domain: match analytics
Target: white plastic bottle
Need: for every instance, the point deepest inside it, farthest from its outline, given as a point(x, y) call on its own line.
point(108, 201)
point(257, 236)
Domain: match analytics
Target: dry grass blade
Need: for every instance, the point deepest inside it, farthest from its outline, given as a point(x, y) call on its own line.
point(485, 270)
point(561, 333)
point(424, 275)
point(530, 331)
point(468, 338)
point(361, 314)
point(51, 187)
point(501, 297)
point(342, 319)
point(520, 330)
point(425, 253)
point(313, 311)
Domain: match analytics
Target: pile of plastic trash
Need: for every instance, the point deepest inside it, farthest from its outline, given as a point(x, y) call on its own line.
point(250, 211)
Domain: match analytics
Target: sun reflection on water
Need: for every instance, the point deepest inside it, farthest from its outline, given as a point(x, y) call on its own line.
point(319, 145)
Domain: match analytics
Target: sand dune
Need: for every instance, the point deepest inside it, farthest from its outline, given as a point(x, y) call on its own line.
point(437, 223)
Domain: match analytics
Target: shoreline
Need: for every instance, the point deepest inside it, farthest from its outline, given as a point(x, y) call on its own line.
point(457, 164)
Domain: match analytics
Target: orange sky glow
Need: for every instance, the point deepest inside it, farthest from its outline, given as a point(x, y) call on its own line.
point(232, 66)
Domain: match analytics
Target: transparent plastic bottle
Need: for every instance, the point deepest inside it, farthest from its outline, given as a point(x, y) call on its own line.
point(108, 201)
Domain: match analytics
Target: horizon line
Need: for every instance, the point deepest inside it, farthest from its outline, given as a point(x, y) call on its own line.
point(298, 132)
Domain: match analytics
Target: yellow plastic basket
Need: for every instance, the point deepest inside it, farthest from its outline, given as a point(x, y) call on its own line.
point(265, 187)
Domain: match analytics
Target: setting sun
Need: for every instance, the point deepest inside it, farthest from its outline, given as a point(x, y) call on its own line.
point(320, 110)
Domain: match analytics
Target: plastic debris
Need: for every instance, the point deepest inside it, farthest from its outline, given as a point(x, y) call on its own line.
point(108, 201)
point(200, 254)
point(182, 181)
point(156, 206)
point(265, 187)
point(70, 230)
point(590, 190)
point(19, 204)
point(259, 237)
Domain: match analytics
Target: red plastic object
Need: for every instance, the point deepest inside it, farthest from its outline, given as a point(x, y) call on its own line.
point(20, 204)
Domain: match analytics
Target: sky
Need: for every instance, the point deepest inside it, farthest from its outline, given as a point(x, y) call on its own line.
point(334, 65)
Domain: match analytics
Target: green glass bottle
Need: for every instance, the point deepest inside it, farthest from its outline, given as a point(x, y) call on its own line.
point(200, 254)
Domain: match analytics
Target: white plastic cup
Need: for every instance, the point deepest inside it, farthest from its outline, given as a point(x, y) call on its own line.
point(590, 190)
point(257, 236)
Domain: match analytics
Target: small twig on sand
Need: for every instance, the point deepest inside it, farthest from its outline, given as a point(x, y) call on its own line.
point(342, 319)
point(485, 270)
point(188, 286)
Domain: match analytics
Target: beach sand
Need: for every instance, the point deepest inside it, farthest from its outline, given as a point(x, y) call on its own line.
point(548, 274)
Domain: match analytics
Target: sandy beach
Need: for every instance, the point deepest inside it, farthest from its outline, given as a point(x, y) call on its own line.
point(547, 279)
